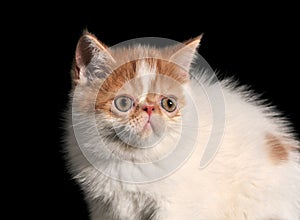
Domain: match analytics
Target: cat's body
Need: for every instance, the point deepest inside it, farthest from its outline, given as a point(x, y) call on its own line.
point(254, 175)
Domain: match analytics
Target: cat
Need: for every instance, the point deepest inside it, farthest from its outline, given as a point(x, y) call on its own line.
point(142, 117)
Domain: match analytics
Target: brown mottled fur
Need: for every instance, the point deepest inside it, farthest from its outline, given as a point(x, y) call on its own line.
point(278, 151)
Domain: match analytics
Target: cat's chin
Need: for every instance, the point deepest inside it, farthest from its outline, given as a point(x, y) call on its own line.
point(146, 140)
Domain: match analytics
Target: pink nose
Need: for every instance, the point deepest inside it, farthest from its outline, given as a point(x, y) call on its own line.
point(149, 109)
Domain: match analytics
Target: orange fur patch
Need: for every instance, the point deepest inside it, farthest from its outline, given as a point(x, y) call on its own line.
point(113, 83)
point(172, 70)
point(278, 151)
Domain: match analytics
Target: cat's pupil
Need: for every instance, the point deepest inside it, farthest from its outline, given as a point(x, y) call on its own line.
point(169, 103)
point(124, 102)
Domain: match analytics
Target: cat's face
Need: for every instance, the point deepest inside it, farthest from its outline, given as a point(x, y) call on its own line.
point(139, 99)
point(144, 104)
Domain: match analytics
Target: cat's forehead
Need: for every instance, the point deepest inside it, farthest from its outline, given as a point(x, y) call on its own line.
point(149, 76)
point(144, 60)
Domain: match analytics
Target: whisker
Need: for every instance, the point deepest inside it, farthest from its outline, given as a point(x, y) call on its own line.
point(79, 123)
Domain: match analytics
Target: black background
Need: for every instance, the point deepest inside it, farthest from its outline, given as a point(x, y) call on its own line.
point(256, 45)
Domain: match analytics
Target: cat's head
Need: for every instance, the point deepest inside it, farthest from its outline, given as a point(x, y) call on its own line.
point(137, 93)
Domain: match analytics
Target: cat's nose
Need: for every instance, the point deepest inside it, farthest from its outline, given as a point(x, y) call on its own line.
point(148, 108)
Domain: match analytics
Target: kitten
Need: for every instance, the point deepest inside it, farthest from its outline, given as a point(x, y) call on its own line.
point(150, 136)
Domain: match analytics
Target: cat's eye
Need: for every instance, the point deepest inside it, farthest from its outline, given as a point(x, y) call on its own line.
point(123, 103)
point(169, 104)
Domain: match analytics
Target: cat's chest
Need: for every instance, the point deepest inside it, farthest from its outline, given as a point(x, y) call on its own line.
point(156, 200)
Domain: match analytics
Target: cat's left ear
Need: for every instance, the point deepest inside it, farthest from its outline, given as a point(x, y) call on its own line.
point(185, 56)
point(92, 58)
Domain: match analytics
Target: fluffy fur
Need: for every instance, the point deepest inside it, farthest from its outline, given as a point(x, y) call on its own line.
point(254, 175)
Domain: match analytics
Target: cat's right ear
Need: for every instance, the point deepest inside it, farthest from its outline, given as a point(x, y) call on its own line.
point(90, 52)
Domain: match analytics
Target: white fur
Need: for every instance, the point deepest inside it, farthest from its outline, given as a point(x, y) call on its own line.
point(147, 74)
point(240, 183)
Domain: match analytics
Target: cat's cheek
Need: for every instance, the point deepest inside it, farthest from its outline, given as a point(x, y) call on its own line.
point(171, 114)
point(158, 124)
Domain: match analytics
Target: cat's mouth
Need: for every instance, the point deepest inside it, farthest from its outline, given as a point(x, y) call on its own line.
point(147, 135)
point(147, 129)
